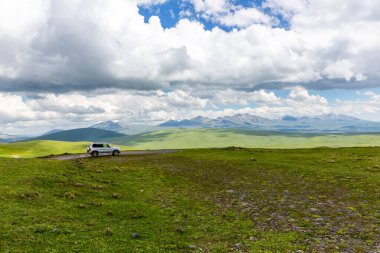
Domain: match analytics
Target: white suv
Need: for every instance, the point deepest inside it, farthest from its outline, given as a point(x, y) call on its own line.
point(95, 149)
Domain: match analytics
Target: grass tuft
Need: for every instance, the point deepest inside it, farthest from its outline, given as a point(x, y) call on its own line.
point(108, 232)
point(69, 195)
point(30, 195)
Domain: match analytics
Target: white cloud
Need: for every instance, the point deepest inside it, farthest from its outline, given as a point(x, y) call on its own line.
point(13, 108)
point(80, 109)
point(368, 109)
point(245, 17)
point(286, 8)
point(233, 97)
point(226, 13)
point(266, 104)
point(29, 15)
point(300, 94)
point(152, 107)
point(150, 2)
point(343, 69)
point(72, 110)
point(66, 45)
point(80, 47)
point(211, 6)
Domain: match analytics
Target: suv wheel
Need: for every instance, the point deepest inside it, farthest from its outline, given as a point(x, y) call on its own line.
point(115, 152)
point(95, 154)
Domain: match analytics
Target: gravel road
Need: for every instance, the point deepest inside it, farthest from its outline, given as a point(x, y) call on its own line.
point(132, 152)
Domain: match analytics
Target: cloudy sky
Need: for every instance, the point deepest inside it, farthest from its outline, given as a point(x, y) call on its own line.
point(72, 63)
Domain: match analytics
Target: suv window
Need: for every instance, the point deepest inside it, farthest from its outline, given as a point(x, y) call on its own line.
point(97, 145)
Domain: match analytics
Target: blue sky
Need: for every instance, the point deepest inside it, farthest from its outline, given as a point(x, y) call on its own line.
point(169, 13)
point(75, 63)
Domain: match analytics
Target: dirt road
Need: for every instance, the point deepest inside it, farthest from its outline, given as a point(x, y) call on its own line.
point(132, 152)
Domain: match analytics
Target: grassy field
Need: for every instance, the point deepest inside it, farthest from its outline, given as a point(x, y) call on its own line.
point(30, 149)
point(214, 138)
point(217, 200)
point(196, 138)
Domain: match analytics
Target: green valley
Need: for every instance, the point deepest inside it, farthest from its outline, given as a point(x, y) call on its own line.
point(215, 138)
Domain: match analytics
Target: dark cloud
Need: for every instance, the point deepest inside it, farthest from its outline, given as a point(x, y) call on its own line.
point(95, 86)
point(324, 84)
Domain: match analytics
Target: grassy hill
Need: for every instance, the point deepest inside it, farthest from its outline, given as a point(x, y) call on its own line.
point(250, 200)
point(81, 134)
point(29, 149)
point(190, 138)
point(211, 138)
point(40, 148)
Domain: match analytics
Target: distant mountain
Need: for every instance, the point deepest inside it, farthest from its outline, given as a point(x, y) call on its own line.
point(125, 129)
point(241, 119)
point(333, 117)
point(53, 131)
point(221, 122)
point(195, 122)
point(289, 118)
point(81, 134)
point(325, 123)
point(10, 138)
point(108, 125)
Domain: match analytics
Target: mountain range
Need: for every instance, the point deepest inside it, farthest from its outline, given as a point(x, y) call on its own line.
point(108, 125)
point(53, 131)
point(325, 123)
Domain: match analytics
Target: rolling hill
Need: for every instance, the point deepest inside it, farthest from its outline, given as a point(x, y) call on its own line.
point(29, 149)
point(187, 139)
point(37, 148)
point(217, 138)
point(81, 134)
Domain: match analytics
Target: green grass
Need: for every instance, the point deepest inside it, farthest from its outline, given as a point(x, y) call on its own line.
point(212, 138)
point(196, 138)
point(259, 200)
point(41, 148)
